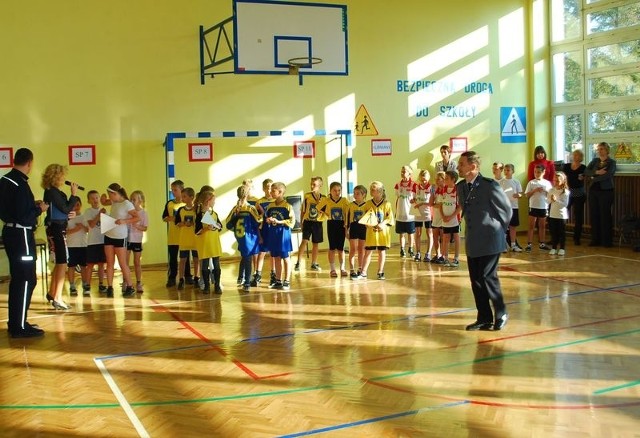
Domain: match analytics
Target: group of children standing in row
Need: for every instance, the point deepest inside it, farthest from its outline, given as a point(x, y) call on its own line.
point(263, 226)
point(259, 226)
point(77, 240)
point(86, 244)
point(548, 197)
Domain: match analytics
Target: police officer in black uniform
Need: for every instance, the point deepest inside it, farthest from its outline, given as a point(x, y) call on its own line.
point(19, 211)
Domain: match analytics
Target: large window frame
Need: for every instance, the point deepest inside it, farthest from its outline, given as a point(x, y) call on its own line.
point(616, 104)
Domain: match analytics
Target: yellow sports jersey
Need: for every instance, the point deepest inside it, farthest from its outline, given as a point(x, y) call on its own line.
point(186, 217)
point(385, 217)
point(335, 210)
point(173, 231)
point(208, 242)
point(310, 204)
point(355, 212)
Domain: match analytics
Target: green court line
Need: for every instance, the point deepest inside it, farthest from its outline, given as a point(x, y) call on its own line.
point(505, 355)
point(615, 388)
point(331, 386)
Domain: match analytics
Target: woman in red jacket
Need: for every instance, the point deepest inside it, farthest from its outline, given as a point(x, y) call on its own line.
point(540, 157)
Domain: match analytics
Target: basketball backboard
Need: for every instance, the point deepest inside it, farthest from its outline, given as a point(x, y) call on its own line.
point(267, 34)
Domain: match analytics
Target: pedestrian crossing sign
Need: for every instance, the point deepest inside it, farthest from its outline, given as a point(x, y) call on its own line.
point(513, 122)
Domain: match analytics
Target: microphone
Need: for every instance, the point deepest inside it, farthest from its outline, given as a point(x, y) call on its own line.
point(69, 183)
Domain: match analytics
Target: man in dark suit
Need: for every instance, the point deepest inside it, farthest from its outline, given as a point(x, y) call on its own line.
point(19, 211)
point(486, 212)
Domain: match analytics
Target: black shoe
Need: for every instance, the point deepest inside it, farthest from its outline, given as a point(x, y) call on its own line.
point(73, 292)
point(255, 281)
point(272, 279)
point(102, 288)
point(171, 282)
point(128, 291)
point(189, 280)
point(218, 290)
point(110, 292)
point(479, 325)
point(28, 332)
point(49, 298)
point(500, 322)
point(181, 284)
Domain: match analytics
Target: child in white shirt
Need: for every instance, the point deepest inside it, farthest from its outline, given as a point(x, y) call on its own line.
point(558, 198)
point(537, 190)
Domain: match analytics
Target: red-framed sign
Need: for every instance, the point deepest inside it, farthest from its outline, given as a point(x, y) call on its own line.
point(381, 146)
point(82, 154)
point(201, 151)
point(304, 149)
point(6, 157)
point(458, 145)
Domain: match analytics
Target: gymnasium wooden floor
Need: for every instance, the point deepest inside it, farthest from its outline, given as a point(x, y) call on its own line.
point(338, 358)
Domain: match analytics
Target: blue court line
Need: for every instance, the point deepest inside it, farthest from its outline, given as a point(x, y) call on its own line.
point(319, 387)
point(615, 388)
point(360, 325)
point(375, 419)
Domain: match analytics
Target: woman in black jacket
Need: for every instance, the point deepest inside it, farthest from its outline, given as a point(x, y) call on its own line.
point(577, 195)
point(600, 172)
point(60, 210)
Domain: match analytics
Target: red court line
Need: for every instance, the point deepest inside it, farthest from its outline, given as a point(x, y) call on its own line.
point(533, 274)
point(496, 404)
point(254, 376)
point(223, 353)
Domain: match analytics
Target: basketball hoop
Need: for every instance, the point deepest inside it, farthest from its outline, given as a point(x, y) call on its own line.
point(295, 64)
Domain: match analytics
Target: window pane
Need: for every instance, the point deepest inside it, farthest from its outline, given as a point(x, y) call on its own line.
point(624, 152)
point(567, 76)
point(614, 18)
point(568, 131)
point(566, 19)
point(614, 121)
point(615, 86)
point(614, 54)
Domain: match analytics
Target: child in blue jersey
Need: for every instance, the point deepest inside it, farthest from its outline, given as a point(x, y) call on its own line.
point(335, 208)
point(280, 220)
point(262, 205)
point(244, 220)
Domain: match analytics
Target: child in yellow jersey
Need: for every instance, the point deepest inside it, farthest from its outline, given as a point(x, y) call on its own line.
point(379, 235)
point(311, 223)
point(208, 240)
point(173, 232)
point(185, 220)
point(335, 208)
point(356, 232)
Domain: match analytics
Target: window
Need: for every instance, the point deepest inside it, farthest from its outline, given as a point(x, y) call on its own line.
point(596, 78)
point(567, 69)
point(613, 18)
point(620, 54)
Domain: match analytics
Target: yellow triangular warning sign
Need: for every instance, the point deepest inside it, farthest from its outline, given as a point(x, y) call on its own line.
point(363, 123)
point(623, 151)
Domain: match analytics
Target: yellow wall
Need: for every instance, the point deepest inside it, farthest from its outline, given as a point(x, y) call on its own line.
point(122, 74)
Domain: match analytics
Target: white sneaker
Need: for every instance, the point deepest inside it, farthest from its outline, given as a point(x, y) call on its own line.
point(561, 252)
point(552, 252)
point(516, 249)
